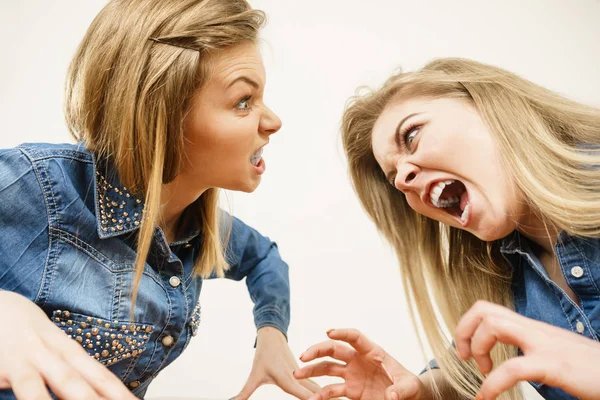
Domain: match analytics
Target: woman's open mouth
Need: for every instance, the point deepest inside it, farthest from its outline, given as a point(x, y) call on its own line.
point(452, 197)
point(257, 161)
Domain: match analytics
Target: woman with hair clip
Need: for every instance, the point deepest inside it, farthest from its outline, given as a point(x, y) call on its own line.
point(487, 187)
point(112, 237)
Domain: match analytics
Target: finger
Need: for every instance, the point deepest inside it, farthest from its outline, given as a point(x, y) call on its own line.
point(393, 369)
point(324, 368)
point(509, 373)
point(408, 389)
point(354, 338)
point(100, 378)
point(336, 390)
point(471, 320)
point(482, 342)
point(250, 387)
point(329, 348)
point(64, 380)
point(295, 389)
point(27, 383)
point(310, 385)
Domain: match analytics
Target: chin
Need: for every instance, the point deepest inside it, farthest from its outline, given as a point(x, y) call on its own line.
point(246, 187)
point(493, 233)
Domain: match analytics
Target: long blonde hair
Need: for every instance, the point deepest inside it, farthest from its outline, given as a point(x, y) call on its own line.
point(549, 147)
point(129, 88)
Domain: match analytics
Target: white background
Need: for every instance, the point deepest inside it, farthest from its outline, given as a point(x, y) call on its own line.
point(316, 53)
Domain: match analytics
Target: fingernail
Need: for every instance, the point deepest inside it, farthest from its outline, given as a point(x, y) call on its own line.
point(329, 331)
point(302, 355)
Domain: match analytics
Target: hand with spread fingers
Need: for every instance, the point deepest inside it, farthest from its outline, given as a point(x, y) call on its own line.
point(35, 354)
point(551, 355)
point(274, 364)
point(368, 371)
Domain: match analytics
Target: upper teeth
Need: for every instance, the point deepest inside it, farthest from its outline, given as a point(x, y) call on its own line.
point(256, 156)
point(437, 191)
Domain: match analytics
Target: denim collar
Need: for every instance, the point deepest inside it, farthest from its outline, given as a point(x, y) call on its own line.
point(516, 242)
point(118, 211)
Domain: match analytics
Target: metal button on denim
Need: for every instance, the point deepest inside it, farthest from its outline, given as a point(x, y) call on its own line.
point(174, 281)
point(168, 341)
point(577, 271)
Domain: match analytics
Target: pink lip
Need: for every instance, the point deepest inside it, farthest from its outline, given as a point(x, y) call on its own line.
point(261, 167)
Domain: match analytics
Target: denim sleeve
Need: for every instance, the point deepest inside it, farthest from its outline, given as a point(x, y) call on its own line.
point(257, 258)
point(24, 237)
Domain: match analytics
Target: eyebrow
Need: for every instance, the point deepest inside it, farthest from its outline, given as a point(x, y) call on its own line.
point(244, 79)
point(402, 121)
point(398, 141)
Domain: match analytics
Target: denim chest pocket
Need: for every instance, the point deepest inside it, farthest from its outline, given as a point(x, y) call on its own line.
point(108, 342)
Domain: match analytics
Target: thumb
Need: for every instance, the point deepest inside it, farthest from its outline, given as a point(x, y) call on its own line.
point(404, 387)
point(249, 388)
point(394, 370)
point(394, 393)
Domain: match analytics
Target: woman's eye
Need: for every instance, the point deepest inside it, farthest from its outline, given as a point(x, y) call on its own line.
point(410, 134)
point(243, 104)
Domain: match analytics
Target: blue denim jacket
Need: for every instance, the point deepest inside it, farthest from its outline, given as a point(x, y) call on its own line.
point(536, 296)
point(67, 243)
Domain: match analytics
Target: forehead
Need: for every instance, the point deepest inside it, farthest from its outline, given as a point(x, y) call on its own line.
point(385, 126)
point(230, 63)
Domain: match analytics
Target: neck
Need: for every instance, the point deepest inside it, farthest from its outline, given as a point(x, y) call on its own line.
point(176, 196)
point(542, 233)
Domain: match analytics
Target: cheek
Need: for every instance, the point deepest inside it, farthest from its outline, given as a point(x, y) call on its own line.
point(414, 201)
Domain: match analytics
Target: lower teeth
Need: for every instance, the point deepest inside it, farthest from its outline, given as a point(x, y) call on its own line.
point(465, 213)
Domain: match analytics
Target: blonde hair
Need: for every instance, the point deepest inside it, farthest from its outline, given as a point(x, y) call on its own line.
point(129, 88)
point(549, 146)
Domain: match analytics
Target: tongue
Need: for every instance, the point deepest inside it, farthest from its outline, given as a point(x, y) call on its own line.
point(464, 199)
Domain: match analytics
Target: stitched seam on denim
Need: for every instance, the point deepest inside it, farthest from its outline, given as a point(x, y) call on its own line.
point(269, 310)
point(130, 367)
point(171, 349)
point(117, 279)
point(560, 255)
point(552, 285)
point(146, 272)
point(159, 342)
point(283, 324)
point(56, 153)
point(155, 342)
point(549, 283)
point(127, 371)
point(188, 336)
point(69, 238)
point(560, 303)
point(579, 309)
point(48, 276)
point(40, 292)
point(587, 267)
point(589, 278)
point(91, 250)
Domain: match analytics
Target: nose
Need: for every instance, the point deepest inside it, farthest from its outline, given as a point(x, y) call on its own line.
point(406, 176)
point(269, 122)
